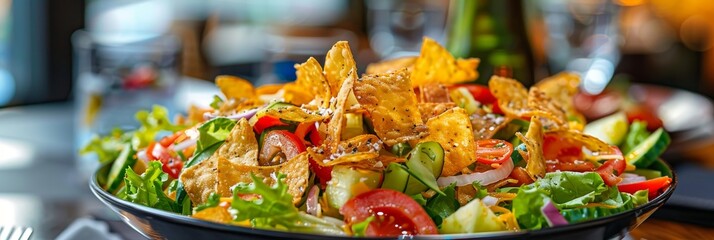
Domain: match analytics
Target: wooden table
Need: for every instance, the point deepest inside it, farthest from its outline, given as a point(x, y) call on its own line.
point(654, 229)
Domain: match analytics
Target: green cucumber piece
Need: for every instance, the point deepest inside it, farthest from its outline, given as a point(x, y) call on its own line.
point(662, 167)
point(424, 166)
point(611, 129)
point(472, 218)
point(463, 98)
point(429, 154)
point(401, 149)
point(395, 177)
point(127, 158)
point(647, 152)
point(516, 155)
point(348, 182)
point(509, 131)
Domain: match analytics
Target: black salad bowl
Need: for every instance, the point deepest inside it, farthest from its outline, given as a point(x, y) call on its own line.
point(159, 224)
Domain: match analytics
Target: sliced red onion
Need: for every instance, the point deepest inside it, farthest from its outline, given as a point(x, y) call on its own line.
point(631, 178)
point(489, 201)
point(552, 214)
point(313, 207)
point(185, 144)
point(245, 114)
point(485, 178)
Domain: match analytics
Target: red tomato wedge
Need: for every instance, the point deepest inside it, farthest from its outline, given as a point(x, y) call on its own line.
point(611, 170)
point(564, 154)
point(395, 214)
point(655, 186)
point(490, 151)
point(266, 122)
point(170, 163)
point(308, 129)
point(279, 142)
point(482, 94)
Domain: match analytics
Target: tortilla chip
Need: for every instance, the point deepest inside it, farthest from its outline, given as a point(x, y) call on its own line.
point(233, 106)
point(430, 110)
point(334, 127)
point(311, 79)
point(241, 146)
point(214, 214)
point(297, 173)
point(562, 88)
point(392, 106)
point(296, 94)
point(199, 180)
point(235, 87)
point(391, 65)
point(338, 65)
point(269, 89)
point(292, 113)
point(436, 65)
point(535, 166)
point(356, 149)
point(452, 130)
point(512, 95)
point(553, 115)
point(591, 143)
point(487, 125)
point(434, 92)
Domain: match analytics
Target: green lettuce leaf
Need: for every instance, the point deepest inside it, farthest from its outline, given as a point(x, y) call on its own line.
point(274, 209)
point(571, 189)
point(213, 200)
point(613, 202)
point(214, 131)
point(217, 102)
point(439, 206)
point(635, 135)
point(152, 123)
point(107, 148)
point(146, 189)
point(360, 229)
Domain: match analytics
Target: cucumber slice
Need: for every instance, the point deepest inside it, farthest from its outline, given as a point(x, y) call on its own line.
point(611, 129)
point(401, 149)
point(517, 157)
point(429, 154)
point(127, 158)
point(472, 218)
point(348, 182)
point(647, 152)
point(395, 177)
point(463, 98)
point(424, 166)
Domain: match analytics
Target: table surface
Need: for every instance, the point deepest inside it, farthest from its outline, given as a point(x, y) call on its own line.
point(41, 187)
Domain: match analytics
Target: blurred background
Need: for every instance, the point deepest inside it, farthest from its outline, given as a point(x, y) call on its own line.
point(70, 69)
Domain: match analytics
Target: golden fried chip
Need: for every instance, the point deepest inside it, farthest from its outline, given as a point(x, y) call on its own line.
point(199, 180)
point(241, 146)
point(452, 130)
point(430, 110)
point(312, 80)
point(434, 92)
point(533, 140)
point(297, 173)
point(553, 115)
point(338, 65)
point(214, 214)
point(512, 95)
point(391, 65)
point(233, 106)
point(334, 127)
point(436, 65)
point(487, 125)
point(296, 94)
point(356, 149)
point(269, 89)
point(562, 88)
point(392, 106)
point(235, 87)
point(593, 144)
point(291, 113)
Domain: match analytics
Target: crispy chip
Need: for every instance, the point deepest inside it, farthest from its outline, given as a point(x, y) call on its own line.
point(291, 113)
point(487, 125)
point(562, 88)
point(512, 95)
point(199, 180)
point(334, 127)
point(436, 65)
point(392, 106)
point(434, 92)
point(241, 146)
point(233, 106)
point(391, 65)
point(553, 115)
point(452, 130)
point(338, 65)
point(295, 94)
point(297, 173)
point(312, 80)
point(269, 89)
point(430, 110)
point(214, 214)
point(235, 87)
point(591, 143)
point(356, 149)
point(533, 140)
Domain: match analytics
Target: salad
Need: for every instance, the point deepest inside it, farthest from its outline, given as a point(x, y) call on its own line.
point(409, 148)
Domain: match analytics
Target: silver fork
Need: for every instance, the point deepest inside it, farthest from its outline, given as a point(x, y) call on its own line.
point(15, 233)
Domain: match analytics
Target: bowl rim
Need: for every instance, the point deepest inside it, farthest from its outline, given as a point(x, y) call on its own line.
point(112, 202)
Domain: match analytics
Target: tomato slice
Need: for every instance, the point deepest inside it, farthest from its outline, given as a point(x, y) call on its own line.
point(395, 214)
point(645, 114)
point(280, 143)
point(170, 163)
point(564, 154)
point(654, 186)
point(611, 170)
point(266, 122)
point(490, 151)
point(482, 94)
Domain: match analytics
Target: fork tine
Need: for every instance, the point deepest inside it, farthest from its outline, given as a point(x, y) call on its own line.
point(16, 233)
point(26, 234)
point(5, 233)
